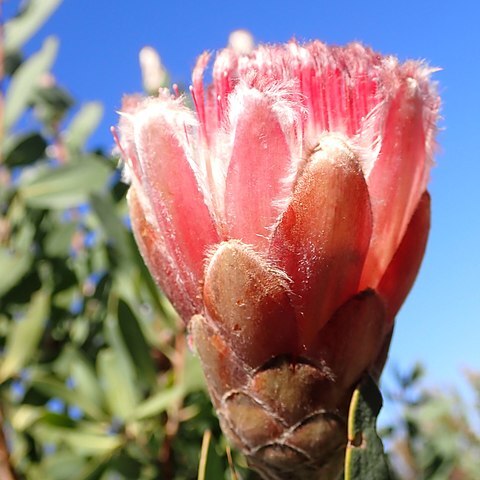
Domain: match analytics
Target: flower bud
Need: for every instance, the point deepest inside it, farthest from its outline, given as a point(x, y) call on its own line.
point(241, 41)
point(286, 220)
point(154, 75)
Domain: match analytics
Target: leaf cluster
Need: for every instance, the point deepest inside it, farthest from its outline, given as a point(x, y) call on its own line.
point(96, 379)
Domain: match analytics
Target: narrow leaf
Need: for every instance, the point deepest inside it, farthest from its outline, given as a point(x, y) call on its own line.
point(365, 458)
point(111, 224)
point(135, 342)
point(65, 186)
point(55, 388)
point(20, 29)
point(24, 335)
point(13, 265)
point(60, 466)
point(120, 394)
point(25, 81)
point(80, 441)
point(85, 381)
point(158, 403)
point(26, 149)
point(24, 416)
point(83, 125)
point(58, 241)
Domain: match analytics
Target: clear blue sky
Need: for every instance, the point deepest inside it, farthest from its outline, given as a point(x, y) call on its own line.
point(440, 323)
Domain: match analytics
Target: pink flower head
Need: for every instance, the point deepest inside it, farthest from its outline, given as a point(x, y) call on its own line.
point(287, 216)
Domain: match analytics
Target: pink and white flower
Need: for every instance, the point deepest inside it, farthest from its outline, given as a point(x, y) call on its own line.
point(289, 210)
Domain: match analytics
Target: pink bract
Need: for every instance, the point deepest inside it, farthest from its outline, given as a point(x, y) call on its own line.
point(286, 218)
point(317, 158)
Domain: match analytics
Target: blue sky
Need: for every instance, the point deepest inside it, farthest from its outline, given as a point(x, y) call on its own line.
point(440, 323)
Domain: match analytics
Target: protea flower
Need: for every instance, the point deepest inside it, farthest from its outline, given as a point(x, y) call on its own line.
point(286, 219)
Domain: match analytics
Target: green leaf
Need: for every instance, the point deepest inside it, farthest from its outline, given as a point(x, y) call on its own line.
point(60, 466)
point(13, 265)
point(83, 125)
point(193, 377)
point(53, 97)
point(65, 186)
point(75, 365)
point(158, 403)
point(120, 394)
point(24, 335)
point(12, 61)
point(135, 342)
point(83, 442)
point(85, 380)
point(20, 29)
point(111, 224)
point(17, 256)
point(50, 104)
point(26, 149)
point(365, 458)
point(24, 416)
point(25, 81)
point(52, 387)
point(128, 466)
point(95, 468)
point(58, 241)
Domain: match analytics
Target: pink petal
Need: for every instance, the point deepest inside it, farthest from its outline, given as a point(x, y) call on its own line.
point(398, 177)
point(157, 258)
point(323, 236)
point(198, 92)
point(172, 188)
point(126, 141)
point(247, 299)
point(260, 160)
point(403, 269)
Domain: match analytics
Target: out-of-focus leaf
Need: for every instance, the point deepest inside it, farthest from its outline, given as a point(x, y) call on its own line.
point(13, 265)
point(20, 29)
point(24, 416)
point(51, 104)
point(80, 330)
point(53, 96)
point(27, 149)
point(136, 343)
point(110, 223)
point(25, 81)
point(58, 241)
point(193, 378)
point(65, 186)
point(24, 335)
point(95, 468)
point(127, 466)
point(120, 393)
point(77, 367)
point(55, 388)
point(83, 442)
point(11, 62)
point(85, 380)
point(60, 466)
point(4, 325)
point(158, 403)
point(83, 125)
